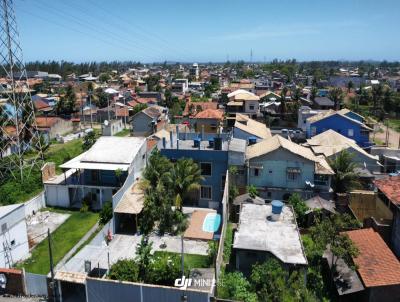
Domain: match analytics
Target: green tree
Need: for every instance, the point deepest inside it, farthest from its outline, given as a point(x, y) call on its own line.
point(66, 104)
point(336, 95)
point(88, 140)
point(124, 270)
point(329, 233)
point(350, 85)
point(235, 286)
point(300, 208)
point(313, 93)
point(164, 269)
point(104, 77)
point(345, 179)
point(252, 190)
point(156, 167)
point(143, 257)
point(106, 213)
point(184, 177)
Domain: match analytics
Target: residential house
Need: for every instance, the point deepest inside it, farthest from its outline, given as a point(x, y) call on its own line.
point(110, 128)
point(378, 270)
point(344, 122)
point(97, 174)
point(51, 127)
point(389, 192)
point(149, 120)
point(303, 114)
point(180, 86)
point(330, 144)
point(192, 108)
point(246, 128)
point(268, 231)
point(209, 120)
point(242, 101)
point(389, 158)
point(279, 168)
point(14, 237)
point(323, 102)
point(211, 154)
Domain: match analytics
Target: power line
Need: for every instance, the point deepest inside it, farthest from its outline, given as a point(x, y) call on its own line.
point(100, 29)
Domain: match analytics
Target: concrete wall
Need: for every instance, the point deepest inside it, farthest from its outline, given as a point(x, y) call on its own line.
point(61, 127)
point(57, 195)
point(109, 291)
point(35, 204)
point(112, 128)
point(15, 239)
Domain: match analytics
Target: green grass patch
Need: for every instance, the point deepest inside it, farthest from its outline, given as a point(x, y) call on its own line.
point(191, 260)
point(64, 238)
point(61, 153)
point(124, 132)
point(228, 242)
point(394, 124)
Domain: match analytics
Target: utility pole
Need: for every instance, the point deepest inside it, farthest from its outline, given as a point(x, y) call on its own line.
point(90, 105)
point(54, 284)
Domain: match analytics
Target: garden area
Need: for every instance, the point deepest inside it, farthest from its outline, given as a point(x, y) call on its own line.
point(13, 190)
point(63, 239)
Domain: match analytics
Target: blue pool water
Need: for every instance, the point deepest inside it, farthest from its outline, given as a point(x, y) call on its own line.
point(211, 222)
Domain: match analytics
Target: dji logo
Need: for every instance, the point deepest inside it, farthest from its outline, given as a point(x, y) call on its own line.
point(183, 282)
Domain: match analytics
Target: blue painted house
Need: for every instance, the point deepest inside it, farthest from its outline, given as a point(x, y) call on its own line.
point(278, 168)
point(212, 157)
point(345, 122)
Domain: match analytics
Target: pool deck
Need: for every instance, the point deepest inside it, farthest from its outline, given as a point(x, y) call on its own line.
point(195, 230)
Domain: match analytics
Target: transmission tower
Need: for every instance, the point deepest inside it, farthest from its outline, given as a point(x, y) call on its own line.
point(20, 142)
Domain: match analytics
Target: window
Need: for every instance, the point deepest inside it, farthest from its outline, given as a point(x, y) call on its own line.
point(350, 132)
point(256, 172)
point(293, 173)
point(251, 107)
point(321, 180)
point(269, 194)
point(205, 192)
point(206, 169)
point(12, 242)
point(270, 171)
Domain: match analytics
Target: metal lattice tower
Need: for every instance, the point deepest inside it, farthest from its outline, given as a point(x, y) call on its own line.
point(20, 142)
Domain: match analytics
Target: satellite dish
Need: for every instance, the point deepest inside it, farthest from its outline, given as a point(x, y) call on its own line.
point(105, 123)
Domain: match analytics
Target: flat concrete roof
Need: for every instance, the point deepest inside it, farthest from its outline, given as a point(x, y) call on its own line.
point(256, 231)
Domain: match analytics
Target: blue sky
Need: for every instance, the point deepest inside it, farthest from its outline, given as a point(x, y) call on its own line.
point(202, 31)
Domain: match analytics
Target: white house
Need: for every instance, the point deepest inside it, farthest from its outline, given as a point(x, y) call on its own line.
point(14, 245)
point(97, 174)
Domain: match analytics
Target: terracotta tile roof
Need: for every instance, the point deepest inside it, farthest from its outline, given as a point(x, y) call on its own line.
point(199, 105)
point(390, 186)
point(40, 104)
point(377, 265)
point(121, 112)
point(210, 114)
point(146, 100)
point(46, 122)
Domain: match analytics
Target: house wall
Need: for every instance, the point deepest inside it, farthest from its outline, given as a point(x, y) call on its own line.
point(210, 125)
point(396, 232)
point(112, 128)
point(15, 237)
point(340, 125)
point(360, 159)
point(274, 170)
point(57, 195)
point(219, 162)
point(247, 105)
point(141, 124)
point(61, 127)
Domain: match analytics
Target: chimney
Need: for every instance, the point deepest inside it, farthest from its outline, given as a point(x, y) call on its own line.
point(277, 207)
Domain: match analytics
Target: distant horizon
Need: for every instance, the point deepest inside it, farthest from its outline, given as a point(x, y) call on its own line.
point(210, 31)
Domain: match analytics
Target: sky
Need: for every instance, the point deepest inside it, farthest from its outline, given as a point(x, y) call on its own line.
point(208, 30)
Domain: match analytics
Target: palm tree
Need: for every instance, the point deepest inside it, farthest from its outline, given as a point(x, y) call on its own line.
point(183, 178)
point(336, 95)
point(345, 179)
point(157, 166)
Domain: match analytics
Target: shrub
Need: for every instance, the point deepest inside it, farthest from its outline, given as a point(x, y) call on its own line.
point(124, 270)
point(106, 213)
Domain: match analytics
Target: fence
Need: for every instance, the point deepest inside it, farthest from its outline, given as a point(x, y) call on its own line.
point(225, 200)
point(35, 204)
point(36, 285)
point(109, 291)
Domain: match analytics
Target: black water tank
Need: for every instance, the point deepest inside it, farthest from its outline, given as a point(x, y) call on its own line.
point(217, 143)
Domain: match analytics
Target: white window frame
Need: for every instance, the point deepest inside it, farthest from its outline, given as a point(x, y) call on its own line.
point(211, 169)
point(210, 192)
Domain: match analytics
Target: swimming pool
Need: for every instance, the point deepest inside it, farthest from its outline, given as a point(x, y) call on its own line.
point(211, 222)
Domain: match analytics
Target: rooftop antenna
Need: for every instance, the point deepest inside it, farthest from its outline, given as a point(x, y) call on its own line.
point(19, 133)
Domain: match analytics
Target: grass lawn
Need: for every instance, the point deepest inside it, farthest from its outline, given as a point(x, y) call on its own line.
point(61, 153)
point(191, 260)
point(394, 124)
point(124, 132)
point(65, 237)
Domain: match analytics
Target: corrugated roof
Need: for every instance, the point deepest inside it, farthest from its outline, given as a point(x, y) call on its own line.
point(132, 201)
point(276, 142)
point(252, 127)
point(328, 113)
point(377, 265)
point(330, 142)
